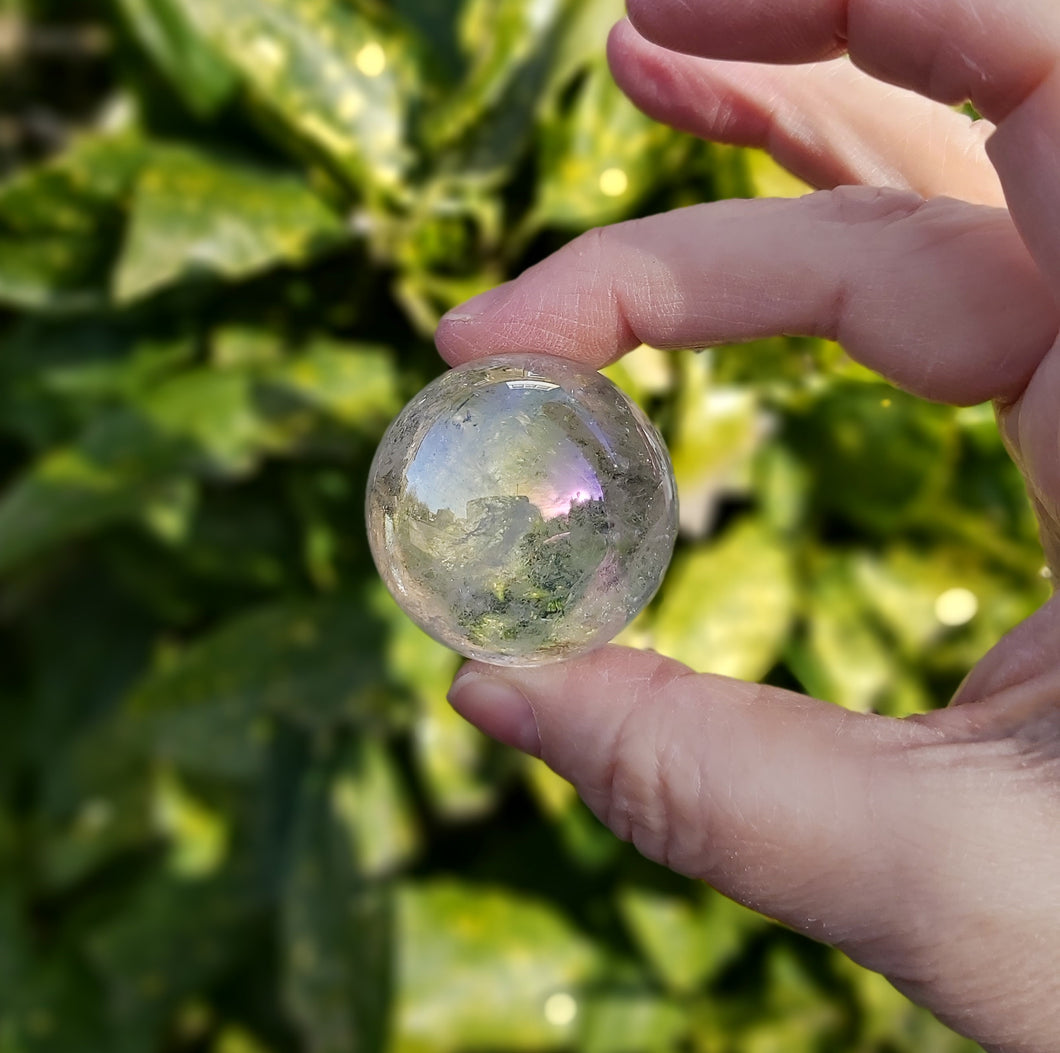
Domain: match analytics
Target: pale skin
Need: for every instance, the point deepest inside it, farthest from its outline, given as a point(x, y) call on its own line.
point(926, 848)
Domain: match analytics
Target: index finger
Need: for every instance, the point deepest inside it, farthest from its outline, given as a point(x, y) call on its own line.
point(1002, 55)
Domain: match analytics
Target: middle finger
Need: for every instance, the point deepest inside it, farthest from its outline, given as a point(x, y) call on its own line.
point(827, 122)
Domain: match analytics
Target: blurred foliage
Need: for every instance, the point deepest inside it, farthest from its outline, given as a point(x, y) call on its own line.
point(236, 814)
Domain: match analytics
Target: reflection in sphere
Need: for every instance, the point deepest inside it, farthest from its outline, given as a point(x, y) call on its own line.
point(521, 509)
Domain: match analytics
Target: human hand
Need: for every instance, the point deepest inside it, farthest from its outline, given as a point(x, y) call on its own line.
point(925, 848)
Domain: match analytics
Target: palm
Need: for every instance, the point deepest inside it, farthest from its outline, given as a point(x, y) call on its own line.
point(925, 848)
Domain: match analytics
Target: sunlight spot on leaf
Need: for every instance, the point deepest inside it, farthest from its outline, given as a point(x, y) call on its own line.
point(613, 182)
point(350, 106)
point(560, 1009)
point(233, 1039)
point(956, 606)
point(320, 130)
point(198, 835)
point(269, 52)
point(371, 59)
point(94, 815)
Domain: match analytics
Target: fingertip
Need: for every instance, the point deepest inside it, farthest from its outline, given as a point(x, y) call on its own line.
point(548, 707)
point(559, 702)
point(620, 41)
point(452, 341)
point(622, 52)
point(565, 306)
point(497, 706)
point(463, 333)
point(646, 72)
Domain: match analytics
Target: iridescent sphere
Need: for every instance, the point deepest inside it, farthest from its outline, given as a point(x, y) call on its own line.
point(522, 509)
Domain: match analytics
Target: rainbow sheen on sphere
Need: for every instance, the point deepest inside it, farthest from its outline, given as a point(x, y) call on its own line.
point(522, 509)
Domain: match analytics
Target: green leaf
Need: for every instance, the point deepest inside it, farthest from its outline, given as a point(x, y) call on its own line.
point(315, 662)
point(92, 799)
point(370, 798)
point(890, 1020)
point(586, 841)
point(210, 423)
point(846, 657)
point(111, 821)
point(197, 835)
point(70, 697)
point(480, 132)
point(14, 935)
point(645, 373)
point(726, 607)
point(624, 1021)
point(880, 456)
point(797, 1016)
point(770, 179)
point(153, 957)
point(990, 504)
point(779, 481)
point(947, 607)
point(717, 431)
point(688, 940)
point(452, 755)
point(197, 214)
point(581, 39)
point(353, 385)
point(54, 1006)
point(600, 157)
point(477, 967)
point(435, 27)
point(61, 224)
point(236, 1039)
point(164, 31)
point(325, 76)
point(452, 758)
point(336, 930)
point(506, 39)
point(57, 374)
point(122, 461)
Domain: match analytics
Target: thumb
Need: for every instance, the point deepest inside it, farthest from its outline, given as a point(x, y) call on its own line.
point(923, 848)
point(792, 806)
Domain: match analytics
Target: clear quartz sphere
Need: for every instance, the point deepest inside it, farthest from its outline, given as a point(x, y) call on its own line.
point(522, 509)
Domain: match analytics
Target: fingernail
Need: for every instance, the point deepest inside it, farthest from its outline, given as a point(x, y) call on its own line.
point(477, 305)
point(498, 708)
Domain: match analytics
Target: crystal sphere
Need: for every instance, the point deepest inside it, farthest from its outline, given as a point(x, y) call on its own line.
point(522, 509)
